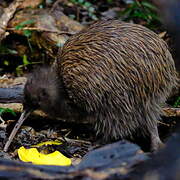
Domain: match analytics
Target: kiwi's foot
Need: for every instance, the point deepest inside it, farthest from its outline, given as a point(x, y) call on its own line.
point(156, 142)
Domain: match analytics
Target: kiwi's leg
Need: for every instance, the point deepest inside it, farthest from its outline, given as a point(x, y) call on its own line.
point(156, 142)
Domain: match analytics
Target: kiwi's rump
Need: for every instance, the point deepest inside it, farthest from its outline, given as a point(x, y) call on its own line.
point(119, 71)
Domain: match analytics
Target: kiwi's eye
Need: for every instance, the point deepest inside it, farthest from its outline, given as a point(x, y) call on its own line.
point(43, 94)
point(29, 101)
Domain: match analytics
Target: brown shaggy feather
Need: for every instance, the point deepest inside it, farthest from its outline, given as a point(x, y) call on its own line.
point(115, 73)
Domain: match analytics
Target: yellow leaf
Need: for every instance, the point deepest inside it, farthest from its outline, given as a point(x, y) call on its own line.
point(32, 155)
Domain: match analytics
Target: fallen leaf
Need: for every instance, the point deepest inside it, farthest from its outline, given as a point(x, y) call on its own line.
point(32, 155)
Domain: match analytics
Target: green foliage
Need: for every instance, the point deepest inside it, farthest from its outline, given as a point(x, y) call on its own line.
point(88, 6)
point(22, 25)
point(6, 63)
point(142, 10)
point(26, 32)
point(6, 50)
point(109, 1)
point(177, 102)
point(25, 62)
point(6, 110)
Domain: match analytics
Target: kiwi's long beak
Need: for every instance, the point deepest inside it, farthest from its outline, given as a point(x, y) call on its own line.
point(22, 118)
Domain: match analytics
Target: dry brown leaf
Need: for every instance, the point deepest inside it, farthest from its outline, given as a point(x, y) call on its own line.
point(31, 3)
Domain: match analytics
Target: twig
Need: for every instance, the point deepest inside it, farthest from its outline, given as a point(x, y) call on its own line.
point(169, 112)
point(3, 124)
point(42, 29)
point(159, 122)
